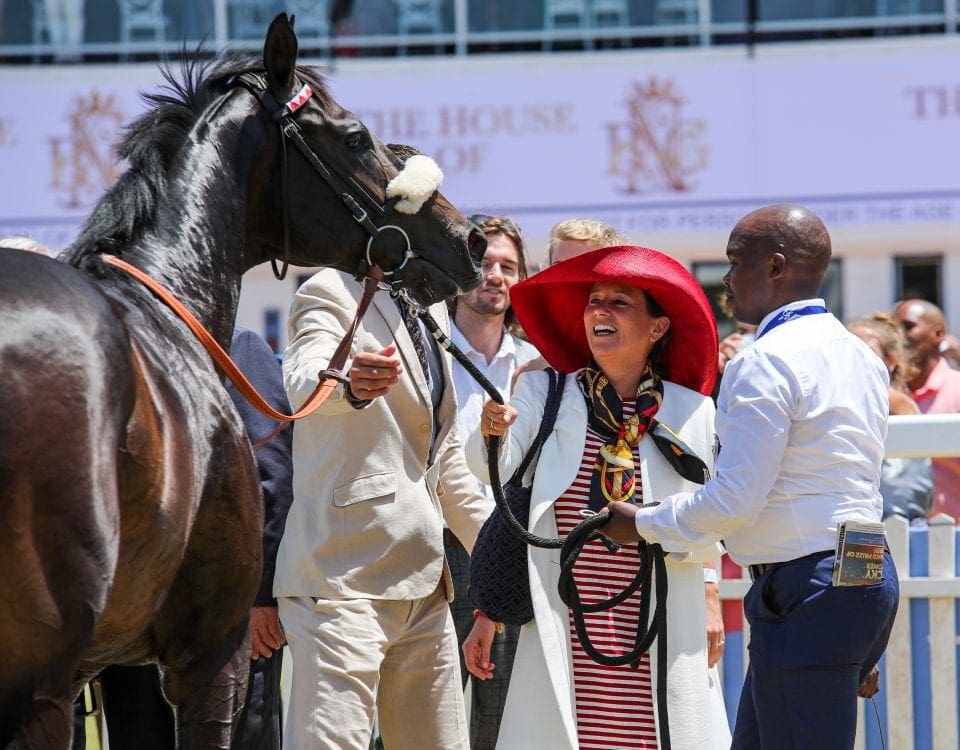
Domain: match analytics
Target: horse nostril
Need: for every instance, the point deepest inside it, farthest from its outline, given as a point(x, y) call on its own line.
point(477, 246)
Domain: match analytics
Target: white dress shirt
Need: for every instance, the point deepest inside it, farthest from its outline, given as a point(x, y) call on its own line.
point(802, 419)
point(471, 396)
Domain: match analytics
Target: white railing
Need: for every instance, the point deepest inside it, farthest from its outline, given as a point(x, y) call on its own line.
point(918, 701)
point(703, 29)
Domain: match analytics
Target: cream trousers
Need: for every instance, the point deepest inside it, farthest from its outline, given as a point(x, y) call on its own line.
point(351, 656)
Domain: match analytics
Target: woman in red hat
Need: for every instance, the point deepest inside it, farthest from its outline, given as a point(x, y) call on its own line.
point(637, 336)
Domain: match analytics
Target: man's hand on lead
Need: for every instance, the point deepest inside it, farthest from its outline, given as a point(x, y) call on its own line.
point(372, 374)
point(621, 528)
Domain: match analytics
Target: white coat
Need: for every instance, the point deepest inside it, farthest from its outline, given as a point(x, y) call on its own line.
point(540, 706)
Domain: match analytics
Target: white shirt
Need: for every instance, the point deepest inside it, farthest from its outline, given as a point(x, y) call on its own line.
point(471, 397)
point(802, 419)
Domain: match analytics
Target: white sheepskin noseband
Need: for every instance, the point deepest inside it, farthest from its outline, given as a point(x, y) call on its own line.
point(418, 180)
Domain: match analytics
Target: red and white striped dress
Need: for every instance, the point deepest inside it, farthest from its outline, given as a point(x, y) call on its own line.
point(614, 705)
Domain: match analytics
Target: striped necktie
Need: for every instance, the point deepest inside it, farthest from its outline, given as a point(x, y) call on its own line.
point(416, 335)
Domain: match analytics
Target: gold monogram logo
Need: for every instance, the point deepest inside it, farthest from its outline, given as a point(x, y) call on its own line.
point(657, 148)
point(82, 163)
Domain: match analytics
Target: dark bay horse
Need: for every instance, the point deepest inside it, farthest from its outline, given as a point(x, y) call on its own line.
point(130, 524)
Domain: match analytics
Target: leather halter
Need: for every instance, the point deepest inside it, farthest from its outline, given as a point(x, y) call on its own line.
point(361, 206)
point(365, 209)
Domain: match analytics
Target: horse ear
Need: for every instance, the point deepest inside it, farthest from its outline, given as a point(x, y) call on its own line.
point(280, 55)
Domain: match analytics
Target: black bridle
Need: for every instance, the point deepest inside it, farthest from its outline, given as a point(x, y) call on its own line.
point(366, 210)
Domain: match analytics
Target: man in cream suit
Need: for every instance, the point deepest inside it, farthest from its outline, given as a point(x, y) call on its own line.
point(361, 577)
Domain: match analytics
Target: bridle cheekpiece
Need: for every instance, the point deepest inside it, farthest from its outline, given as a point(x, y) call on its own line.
point(406, 193)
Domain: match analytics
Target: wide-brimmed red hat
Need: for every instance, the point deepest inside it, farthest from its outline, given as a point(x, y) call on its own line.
point(550, 304)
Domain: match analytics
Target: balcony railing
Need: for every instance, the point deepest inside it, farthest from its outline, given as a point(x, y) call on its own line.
point(103, 30)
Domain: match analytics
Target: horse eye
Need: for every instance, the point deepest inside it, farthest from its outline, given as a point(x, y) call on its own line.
point(354, 141)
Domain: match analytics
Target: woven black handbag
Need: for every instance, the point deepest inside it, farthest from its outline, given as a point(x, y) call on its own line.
point(499, 578)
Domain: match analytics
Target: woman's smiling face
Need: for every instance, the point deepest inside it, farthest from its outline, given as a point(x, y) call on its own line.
point(619, 326)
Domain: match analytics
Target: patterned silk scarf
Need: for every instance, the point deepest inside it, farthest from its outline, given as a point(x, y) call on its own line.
point(614, 473)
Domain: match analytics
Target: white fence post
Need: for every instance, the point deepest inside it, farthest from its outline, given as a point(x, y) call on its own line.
point(898, 674)
point(943, 636)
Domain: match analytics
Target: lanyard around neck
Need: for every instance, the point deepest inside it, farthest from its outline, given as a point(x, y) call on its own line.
point(784, 315)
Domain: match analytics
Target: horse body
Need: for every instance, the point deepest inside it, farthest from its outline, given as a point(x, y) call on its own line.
point(51, 535)
point(130, 530)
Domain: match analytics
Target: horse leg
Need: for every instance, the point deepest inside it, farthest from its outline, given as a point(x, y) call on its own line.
point(57, 595)
point(203, 627)
point(47, 724)
point(59, 554)
point(209, 694)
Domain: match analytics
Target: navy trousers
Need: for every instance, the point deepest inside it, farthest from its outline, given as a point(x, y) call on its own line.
point(811, 643)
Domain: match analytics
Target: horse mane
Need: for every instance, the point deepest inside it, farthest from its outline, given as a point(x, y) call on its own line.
point(152, 142)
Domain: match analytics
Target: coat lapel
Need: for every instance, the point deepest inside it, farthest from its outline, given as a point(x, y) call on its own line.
point(566, 441)
point(550, 614)
point(552, 622)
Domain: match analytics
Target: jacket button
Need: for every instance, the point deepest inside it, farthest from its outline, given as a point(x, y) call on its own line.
point(424, 428)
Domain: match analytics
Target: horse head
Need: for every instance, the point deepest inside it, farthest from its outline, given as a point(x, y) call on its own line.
point(387, 209)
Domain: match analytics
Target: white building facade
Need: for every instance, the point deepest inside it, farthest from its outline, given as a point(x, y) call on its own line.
point(670, 146)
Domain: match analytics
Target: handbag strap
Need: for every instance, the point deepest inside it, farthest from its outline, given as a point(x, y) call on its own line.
point(550, 409)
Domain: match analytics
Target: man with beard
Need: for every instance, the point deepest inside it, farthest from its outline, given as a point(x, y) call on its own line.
point(485, 329)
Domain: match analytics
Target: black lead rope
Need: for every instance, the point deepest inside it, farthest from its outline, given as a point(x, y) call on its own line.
point(493, 442)
point(651, 557)
point(651, 562)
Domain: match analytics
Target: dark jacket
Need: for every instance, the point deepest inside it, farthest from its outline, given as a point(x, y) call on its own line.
point(258, 362)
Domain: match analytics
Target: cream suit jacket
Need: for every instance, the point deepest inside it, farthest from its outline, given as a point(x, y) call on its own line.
point(540, 707)
point(370, 494)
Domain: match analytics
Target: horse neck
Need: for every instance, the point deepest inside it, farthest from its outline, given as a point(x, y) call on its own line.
point(195, 247)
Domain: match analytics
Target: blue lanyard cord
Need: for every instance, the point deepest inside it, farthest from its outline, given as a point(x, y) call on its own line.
point(784, 315)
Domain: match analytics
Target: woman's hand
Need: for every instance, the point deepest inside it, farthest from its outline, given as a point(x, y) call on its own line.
point(476, 647)
point(496, 418)
point(729, 348)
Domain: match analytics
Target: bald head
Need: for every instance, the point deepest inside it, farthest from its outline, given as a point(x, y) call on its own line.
point(923, 328)
point(778, 254)
point(920, 309)
point(796, 233)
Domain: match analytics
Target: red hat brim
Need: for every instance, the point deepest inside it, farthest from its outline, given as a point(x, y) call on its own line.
point(550, 304)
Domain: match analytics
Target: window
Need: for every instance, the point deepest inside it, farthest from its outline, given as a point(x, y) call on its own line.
point(832, 289)
point(710, 276)
point(271, 328)
point(919, 276)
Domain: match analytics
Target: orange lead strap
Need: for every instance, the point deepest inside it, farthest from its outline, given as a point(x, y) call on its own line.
point(329, 377)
